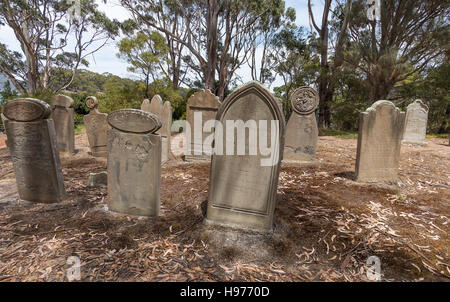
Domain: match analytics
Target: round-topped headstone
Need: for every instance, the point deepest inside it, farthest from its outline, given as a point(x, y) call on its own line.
point(134, 121)
point(91, 102)
point(26, 110)
point(62, 100)
point(304, 100)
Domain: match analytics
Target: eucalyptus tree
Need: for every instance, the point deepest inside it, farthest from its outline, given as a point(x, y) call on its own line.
point(214, 38)
point(51, 34)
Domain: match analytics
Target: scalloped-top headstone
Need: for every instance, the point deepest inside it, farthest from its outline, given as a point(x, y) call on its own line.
point(416, 123)
point(96, 128)
point(164, 112)
point(379, 141)
point(201, 107)
point(33, 148)
point(243, 184)
point(134, 162)
point(63, 117)
point(301, 130)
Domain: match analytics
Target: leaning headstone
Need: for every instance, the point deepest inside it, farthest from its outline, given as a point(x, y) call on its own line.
point(243, 184)
point(301, 130)
point(416, 123)
point(63, 117)
point(33, 148)
point(134, 162)
point(379, 141)
point(96, 128)
point(98, 180)
point(201, 108)
point(164, 112)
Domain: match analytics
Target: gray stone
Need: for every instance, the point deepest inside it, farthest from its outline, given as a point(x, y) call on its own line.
point(178, 126)
point(207, 105)
point(98, 180)
point(416, 123)
point(379, 141)
point(134, 162)
point(63, 117)
point(96, 128)
point(164, 112)
point(242, 191)
point(33, 148)
point(3, 117)
point(301, 130)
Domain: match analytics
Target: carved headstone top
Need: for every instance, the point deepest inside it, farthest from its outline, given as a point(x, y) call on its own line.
point(134, 121)
point(418, 104)
point(204, 99)
point(92, 102)
point(304, 100)
point(62, 101)
point(145, 106)
point(26, 110)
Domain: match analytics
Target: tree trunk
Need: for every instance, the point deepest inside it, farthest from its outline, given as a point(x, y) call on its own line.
point(211, 21)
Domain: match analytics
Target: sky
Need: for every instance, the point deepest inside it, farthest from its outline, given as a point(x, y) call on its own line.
point(106, 60)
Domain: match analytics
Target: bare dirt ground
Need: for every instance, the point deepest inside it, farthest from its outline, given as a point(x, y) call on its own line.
point(326, 225)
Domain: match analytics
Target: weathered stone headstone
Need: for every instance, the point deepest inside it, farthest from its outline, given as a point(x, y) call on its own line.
point(243, 188)
point(164, 112)
point(134, 162)
point(416, 123)
point(201, 107)
point(98, 180)
point(96, 128)
point(63, 117)
point(301, 130)
point(379, 141)
point(32, 144)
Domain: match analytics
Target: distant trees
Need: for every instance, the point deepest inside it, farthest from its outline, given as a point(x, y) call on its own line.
point(49, 37)
point(145, 54)
point(331, 58)
point(409, 37)
point(211, 39)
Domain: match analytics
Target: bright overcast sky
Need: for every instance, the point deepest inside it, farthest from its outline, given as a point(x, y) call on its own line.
point(105, 60)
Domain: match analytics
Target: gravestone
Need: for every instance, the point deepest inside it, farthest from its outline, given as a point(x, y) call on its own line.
point(62, 116)
point(416, 123)
point(164, 113)
point(96, 128)
point(379, 141)
point(301, 130)
point(33, 148)
point(243, 187)
point(98, 180)
point(134, 162)
point(3, 117)
point(201, 107)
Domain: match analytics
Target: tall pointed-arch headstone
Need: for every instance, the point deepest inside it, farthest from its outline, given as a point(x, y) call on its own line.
point(32, 144)
point(243, 187)
point(164, 111)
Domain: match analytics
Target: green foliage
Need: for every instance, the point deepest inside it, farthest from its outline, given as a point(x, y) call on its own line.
point(144, 53)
